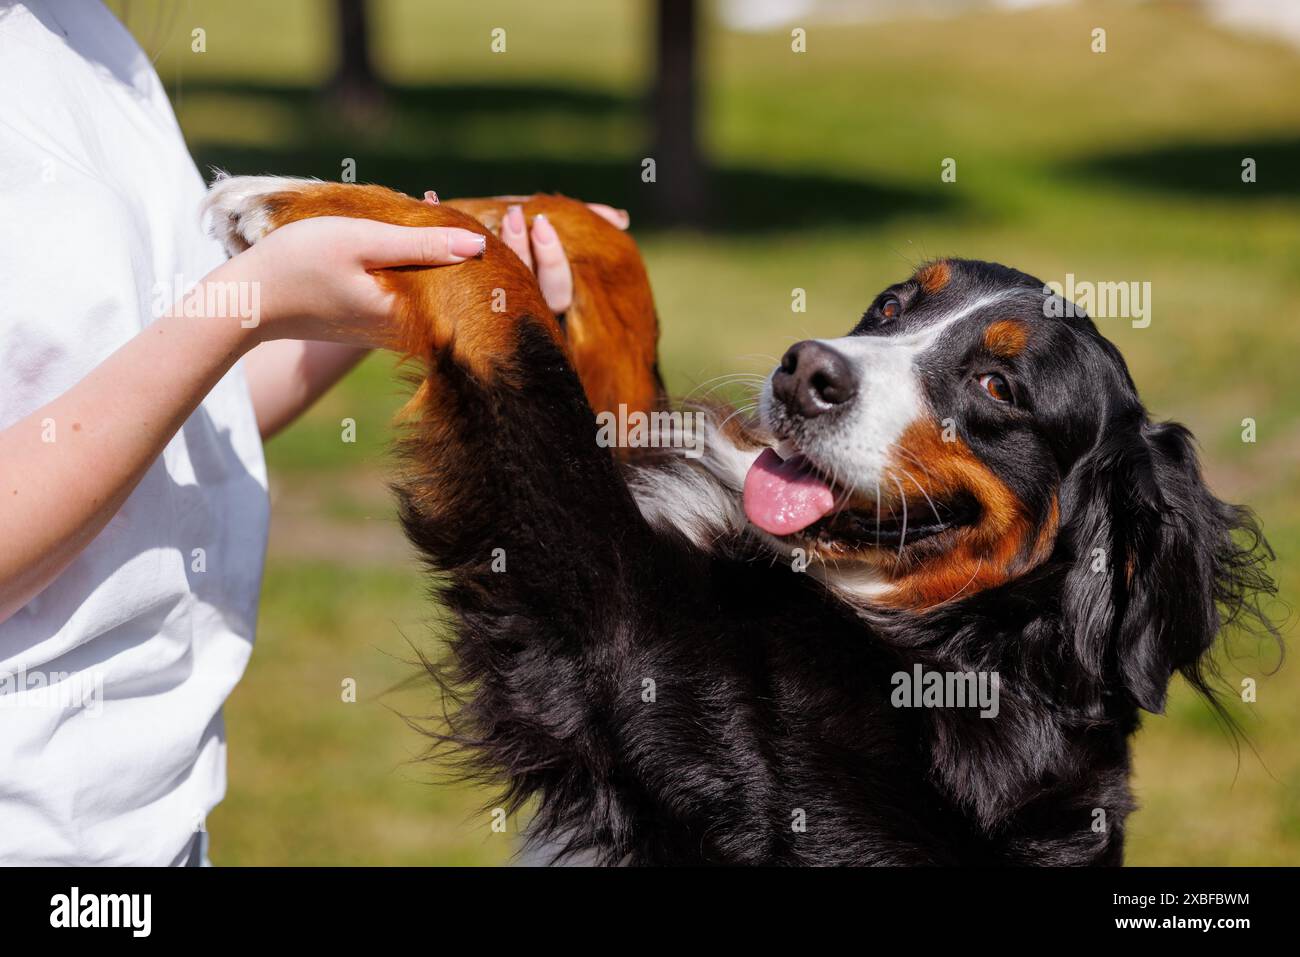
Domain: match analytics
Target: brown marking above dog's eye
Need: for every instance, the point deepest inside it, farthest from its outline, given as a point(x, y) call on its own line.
point(932, 277)
point(1006, 338)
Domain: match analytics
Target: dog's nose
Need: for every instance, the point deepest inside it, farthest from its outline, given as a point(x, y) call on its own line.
point(813, 379)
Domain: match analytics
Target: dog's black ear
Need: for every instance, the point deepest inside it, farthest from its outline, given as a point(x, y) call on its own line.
point(1160, 564)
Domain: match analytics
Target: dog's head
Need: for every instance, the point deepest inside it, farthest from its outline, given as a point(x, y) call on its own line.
point(972, 428)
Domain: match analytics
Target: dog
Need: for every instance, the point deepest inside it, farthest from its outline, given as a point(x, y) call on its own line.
point(757, 655)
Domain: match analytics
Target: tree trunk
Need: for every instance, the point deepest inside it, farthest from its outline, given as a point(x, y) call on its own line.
point(355, 85)
point(681, 195)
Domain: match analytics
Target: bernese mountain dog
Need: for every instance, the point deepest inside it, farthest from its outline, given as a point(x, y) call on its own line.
point(909, 613)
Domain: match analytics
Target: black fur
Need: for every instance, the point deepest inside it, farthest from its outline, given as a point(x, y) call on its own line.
point(771, 697)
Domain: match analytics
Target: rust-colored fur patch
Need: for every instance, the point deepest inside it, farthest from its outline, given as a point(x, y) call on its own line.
point(933, 277)
point(1003, 543)
point(1006, 338)
point(611, 328)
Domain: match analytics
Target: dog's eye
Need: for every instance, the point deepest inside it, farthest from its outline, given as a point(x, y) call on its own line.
point(996, 386)
point(890, 307)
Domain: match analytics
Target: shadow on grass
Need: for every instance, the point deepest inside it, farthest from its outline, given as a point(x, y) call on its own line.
point(1210, 170)
point(414, 144)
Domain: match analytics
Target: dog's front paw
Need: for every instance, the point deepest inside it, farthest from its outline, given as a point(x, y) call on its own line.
point(237, 207)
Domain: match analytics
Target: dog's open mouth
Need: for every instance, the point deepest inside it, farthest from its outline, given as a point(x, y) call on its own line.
point(786, 497)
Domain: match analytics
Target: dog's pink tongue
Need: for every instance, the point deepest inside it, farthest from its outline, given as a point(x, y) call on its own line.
point(782, 497)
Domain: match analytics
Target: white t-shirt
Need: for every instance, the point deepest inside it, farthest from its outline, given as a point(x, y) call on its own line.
point(112, 747)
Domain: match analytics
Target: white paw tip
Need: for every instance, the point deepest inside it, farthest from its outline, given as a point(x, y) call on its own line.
point(236, 210)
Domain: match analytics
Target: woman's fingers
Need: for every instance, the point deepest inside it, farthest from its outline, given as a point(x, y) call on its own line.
point(382, 244)
point(553, 272)
point(617, 217)
point(541, 252)
point(515, 233)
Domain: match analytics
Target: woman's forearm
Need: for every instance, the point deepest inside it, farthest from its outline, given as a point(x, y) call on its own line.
point(67, 468)
point(285, 376)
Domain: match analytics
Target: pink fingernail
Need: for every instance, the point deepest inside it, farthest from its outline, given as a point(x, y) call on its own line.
point(467, 244)
point(515, 219)
point(543, 231)
point(431, 197)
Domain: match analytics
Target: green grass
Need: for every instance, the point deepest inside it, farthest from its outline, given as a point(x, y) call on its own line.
point(317, 779)
point(1116, 166)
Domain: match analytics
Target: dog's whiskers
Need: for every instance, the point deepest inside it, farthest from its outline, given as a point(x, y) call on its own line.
point(937, 517)
point(902, 539)
point(742, 410)
point(709, 387)
point(978, 565)
point(915, 461)
point(845, 491)
point(877, 513)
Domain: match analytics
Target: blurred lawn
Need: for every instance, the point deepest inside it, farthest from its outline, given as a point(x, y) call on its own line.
point(1121, 166)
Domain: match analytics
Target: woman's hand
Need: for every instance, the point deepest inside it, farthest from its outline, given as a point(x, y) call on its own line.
point(315, 281)
point(543, 253)
point(314, 277)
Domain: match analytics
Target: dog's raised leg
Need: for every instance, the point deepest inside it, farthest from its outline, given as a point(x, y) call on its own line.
point(525, 517)
point(611, 330)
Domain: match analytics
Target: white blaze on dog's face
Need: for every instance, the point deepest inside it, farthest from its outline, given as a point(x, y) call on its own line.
point(887, 398)
point(910, 456)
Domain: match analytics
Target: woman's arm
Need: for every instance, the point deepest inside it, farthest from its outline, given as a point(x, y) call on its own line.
point(67, 468)
point(287, 376)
